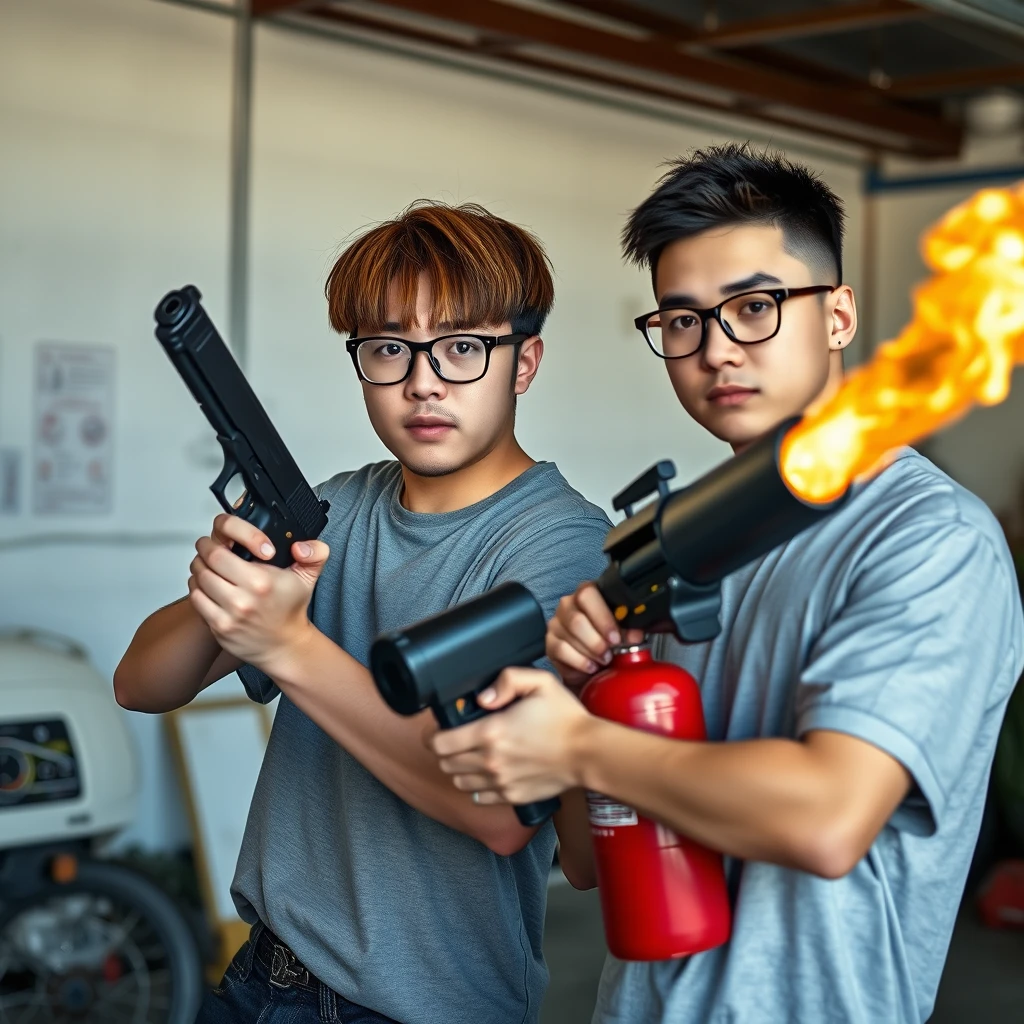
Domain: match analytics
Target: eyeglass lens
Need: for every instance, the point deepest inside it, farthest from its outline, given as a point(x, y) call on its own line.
point(748, 318)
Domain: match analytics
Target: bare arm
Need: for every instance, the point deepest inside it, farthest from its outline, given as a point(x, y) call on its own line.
point(575, 847)
point(815, 804)
point(172, 657)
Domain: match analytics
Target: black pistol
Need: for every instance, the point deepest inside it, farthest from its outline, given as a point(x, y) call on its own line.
point(446, 661)
point(277, 499)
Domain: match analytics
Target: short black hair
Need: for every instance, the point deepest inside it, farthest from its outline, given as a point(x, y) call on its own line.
point(734, 184)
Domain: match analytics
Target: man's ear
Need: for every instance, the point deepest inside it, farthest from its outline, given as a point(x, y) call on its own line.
point(843, 313)
point(531, 352)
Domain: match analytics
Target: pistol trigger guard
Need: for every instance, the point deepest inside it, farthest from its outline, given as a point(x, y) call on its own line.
point(230, 470)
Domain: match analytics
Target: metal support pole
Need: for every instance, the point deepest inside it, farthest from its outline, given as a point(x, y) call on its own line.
point(241, 159)
point(868, 295)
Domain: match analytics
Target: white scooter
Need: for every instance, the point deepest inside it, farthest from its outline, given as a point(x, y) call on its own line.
point(82, 941)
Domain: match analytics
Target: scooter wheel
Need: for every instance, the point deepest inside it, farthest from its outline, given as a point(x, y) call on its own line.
point(109, 945)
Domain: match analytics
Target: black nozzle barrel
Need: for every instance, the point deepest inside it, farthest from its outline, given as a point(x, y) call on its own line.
point(460, 651)
point(739, 511)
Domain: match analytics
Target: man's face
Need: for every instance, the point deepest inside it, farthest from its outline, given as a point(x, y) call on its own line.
point(433, 427)
point(740, 392)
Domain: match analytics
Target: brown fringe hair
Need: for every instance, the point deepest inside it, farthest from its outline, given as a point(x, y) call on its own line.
point(482, 270)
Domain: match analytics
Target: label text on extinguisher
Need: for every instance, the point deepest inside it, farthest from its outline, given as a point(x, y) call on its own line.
point(606, 813)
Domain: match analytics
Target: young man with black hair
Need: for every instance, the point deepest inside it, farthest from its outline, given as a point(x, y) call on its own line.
point(377, 892)
point(860, 676)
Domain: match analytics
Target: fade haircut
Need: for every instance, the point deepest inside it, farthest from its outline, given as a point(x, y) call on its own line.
point(482, 270)
point(733, 184)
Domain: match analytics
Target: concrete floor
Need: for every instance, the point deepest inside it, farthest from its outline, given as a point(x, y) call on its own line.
point(983, 982)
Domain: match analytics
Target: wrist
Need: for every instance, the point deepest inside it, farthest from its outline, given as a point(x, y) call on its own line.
point(586, 742)
point(284, 662)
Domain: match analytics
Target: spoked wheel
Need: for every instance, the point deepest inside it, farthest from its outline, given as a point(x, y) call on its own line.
point(108, 948)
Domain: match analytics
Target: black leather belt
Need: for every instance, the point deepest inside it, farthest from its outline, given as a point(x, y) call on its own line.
point(284, 967)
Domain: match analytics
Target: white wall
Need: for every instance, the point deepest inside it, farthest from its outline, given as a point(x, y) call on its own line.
point(113, 188)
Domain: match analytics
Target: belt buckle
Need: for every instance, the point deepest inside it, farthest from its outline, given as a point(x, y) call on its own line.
point(285, 969)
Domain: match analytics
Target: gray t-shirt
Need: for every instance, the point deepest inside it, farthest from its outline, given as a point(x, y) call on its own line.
point(896, 620)
point(391, 909)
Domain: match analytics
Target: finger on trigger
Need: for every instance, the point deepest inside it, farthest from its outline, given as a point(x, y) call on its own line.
point(592, 604)
point(248, 536)
point(584, 636)
point(561, 650)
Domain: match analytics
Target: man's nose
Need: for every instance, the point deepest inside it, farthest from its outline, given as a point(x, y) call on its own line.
point(423, 382)
point(719, 349)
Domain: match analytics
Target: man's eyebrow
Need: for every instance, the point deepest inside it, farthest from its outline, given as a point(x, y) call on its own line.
point(754, 281)
point(677, 300)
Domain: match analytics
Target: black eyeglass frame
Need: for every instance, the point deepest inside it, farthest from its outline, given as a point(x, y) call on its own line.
point(715, 312)
point(490, 342)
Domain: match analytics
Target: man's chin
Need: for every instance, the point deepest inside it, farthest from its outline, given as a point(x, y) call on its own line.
point(430, 469)
point(738, 429)
point(429, 463)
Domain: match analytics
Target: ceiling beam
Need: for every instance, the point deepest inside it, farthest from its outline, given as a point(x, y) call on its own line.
point(675, 30)
point(757, 31)
point(672, 28)
point(945, 82)
point(822, 21)
point(261, 8)
point(493, 49)
point(927, 134)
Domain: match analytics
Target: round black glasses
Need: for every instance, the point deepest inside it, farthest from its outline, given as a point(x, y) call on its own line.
point(748, 318)
point(455, 358)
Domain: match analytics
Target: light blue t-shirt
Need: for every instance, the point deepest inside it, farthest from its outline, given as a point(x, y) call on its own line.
point(898, 621)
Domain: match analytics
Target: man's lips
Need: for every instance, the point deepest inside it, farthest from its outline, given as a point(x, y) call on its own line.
point(730, 394)
point(426, 428)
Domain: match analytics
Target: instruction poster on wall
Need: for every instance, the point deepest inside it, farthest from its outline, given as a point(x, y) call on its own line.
point(73, 436)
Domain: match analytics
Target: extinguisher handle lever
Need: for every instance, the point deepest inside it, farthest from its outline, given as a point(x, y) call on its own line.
point(538, 812)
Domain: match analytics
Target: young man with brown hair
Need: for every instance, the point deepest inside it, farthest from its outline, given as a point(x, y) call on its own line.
point(377, 892)
point(855, 692)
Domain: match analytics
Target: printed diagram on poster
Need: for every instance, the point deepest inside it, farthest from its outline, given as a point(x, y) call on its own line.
point(73, 441)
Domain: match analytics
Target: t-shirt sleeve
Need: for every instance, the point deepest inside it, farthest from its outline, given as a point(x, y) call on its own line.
point(911, 663)
point(258, 685)
point(556, 560)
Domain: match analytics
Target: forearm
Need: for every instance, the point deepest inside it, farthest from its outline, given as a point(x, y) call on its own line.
point(172, 656)
point(575, 847)
point(767, 799)
point(338, 693)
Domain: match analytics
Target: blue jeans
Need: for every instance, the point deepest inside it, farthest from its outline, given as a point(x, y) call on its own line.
point(247, 995)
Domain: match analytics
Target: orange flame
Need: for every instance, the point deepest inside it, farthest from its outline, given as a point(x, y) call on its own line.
point(966, 334)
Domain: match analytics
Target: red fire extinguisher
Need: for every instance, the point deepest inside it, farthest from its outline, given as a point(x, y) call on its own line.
point(662, 895)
